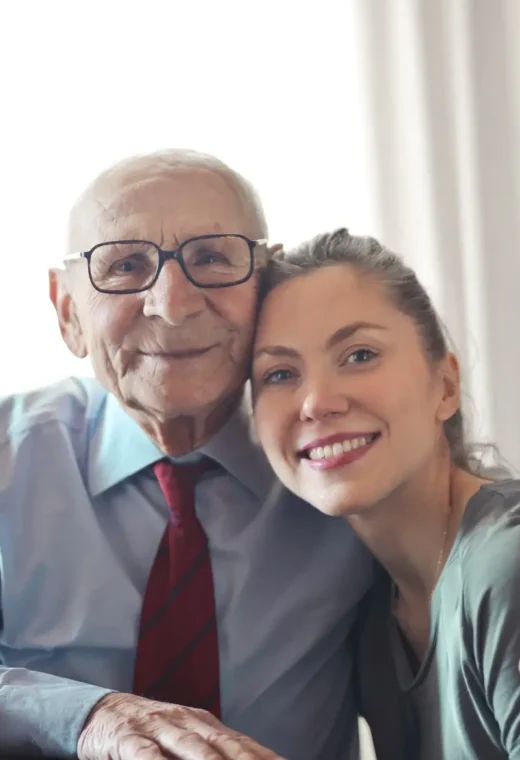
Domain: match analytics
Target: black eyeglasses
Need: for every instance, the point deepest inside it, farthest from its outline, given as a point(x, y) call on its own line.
point(131, 266)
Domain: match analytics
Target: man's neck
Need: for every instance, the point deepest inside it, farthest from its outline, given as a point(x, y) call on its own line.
point(183, 433)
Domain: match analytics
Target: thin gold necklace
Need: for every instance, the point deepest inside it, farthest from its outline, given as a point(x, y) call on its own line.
point(440, 561)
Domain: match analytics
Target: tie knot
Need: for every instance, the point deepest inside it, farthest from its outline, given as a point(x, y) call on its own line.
point(177, 483)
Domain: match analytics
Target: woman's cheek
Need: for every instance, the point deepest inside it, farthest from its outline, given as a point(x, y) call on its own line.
point(267, 423)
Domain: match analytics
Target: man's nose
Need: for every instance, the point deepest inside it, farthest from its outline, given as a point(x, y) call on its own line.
point(322, 400)
point(173, 297)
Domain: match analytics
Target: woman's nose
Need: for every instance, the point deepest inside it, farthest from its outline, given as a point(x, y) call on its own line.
point(320, 403)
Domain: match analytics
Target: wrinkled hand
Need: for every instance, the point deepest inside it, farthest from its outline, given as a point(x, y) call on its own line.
point(126, 727)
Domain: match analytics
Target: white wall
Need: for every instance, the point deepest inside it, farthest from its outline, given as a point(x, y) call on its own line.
point(274, 92)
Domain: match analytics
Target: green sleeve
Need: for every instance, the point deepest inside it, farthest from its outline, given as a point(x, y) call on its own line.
point(491, 598)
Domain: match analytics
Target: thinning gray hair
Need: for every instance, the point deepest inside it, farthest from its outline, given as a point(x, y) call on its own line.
point(163, 162)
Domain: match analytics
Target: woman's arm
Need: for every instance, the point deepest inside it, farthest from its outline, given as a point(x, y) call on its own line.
point(491, 600)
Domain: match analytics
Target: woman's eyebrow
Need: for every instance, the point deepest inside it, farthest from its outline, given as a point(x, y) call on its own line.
point(342, 334)
point(276, 351)
point(348, 331)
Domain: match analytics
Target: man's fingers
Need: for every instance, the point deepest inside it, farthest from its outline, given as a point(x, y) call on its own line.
point(239, 747)
point(183, 744)
point(140, 746)
point(231, 744)
point(208, 719)
point(208, 739)
point(127, 727)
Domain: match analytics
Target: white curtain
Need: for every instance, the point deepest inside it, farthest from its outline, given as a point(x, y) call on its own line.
point(442, 110)
point(442, 80)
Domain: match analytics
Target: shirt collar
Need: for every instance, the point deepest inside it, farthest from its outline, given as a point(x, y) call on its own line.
point(235, 448)
point(119, 448)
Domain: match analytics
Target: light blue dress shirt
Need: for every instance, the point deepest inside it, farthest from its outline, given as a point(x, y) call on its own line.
point(80, 521)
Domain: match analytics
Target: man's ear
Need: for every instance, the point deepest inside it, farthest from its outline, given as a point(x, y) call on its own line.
point(450, 376)
point(70, 328)
point(273, 250)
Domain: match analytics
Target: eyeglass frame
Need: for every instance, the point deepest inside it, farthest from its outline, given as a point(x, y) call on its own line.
point(164, 256)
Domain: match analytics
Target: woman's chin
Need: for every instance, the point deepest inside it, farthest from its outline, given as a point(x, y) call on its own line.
point(344, 509)
point(338, 501)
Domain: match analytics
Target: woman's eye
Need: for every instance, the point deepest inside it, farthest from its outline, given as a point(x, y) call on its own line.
point(360, 356)
point(277, 376)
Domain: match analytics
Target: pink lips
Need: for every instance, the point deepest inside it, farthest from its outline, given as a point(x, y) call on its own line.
point(336, 438)
point(339, 460)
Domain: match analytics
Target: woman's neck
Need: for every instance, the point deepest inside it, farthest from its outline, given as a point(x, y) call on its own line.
point(411, 532)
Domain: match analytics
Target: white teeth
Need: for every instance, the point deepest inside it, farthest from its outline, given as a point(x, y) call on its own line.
point(327, 452)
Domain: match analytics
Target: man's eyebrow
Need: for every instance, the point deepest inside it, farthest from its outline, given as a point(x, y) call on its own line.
point(342, 334)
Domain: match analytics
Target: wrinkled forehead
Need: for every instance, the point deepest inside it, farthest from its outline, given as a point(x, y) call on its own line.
point(164, 208)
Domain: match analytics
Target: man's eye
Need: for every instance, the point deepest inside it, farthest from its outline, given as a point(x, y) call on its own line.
point(205, 258)
point(277, 376)
point(130, 265)
point(126, 266)
point(360, 356)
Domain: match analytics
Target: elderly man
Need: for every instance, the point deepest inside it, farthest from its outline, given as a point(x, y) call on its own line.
point(137, 611)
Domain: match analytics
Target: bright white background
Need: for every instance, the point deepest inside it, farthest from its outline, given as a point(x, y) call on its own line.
point(271, 88)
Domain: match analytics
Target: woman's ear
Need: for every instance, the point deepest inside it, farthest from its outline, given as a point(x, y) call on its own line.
point(449, 370)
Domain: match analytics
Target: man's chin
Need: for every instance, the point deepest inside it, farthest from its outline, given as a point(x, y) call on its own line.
point(153, 404)
point(169, 403)
point(180, 424)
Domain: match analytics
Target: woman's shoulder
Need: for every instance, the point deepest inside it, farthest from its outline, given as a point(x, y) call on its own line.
point(489, 537)
point(493, 509)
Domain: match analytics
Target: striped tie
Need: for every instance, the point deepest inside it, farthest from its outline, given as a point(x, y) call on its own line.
point(177, 652)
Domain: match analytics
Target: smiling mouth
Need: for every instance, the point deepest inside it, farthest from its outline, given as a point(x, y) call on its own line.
point(186, 353)
point(338, 448)
point(337, 453)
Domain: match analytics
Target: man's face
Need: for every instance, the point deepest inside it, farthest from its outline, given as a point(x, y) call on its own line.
point(174, 349)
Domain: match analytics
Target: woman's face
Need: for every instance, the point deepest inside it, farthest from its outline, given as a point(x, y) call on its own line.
point(347, 406)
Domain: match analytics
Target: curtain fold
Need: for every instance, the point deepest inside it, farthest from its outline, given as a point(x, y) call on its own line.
point(442, 83)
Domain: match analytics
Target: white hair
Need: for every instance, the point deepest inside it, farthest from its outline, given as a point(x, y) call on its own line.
point(165, 161)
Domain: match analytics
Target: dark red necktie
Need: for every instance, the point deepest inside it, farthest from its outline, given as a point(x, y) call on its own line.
point(177, 652)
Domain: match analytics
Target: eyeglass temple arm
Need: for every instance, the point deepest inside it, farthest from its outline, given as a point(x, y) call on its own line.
point(74, 256)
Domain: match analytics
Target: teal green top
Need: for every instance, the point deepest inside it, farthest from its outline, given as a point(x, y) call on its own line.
point(464, 701)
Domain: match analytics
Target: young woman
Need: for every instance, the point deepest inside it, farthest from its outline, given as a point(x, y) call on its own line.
point(357, 404)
